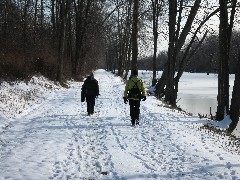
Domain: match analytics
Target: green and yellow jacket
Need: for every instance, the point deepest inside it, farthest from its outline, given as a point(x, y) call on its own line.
point(135, 80)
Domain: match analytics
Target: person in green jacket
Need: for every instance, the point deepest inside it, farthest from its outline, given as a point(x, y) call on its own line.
point(134, 93)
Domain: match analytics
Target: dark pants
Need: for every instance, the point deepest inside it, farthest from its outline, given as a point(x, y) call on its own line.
point(134, 111)
point(90, 104)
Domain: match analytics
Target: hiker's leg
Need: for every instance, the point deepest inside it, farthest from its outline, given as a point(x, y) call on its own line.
point(88, 105)
point(132, 111)
point(93, 104)
point(137, 111)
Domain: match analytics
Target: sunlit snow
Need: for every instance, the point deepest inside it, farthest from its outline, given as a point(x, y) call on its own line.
point(53, 138)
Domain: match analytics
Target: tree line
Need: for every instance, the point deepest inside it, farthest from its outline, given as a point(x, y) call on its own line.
point(205, 60)
point(58, 38)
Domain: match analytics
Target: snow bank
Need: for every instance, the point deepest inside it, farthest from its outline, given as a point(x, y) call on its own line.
point(223, 125)
point(16, 98)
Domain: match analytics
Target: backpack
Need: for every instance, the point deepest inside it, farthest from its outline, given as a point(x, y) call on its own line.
point(135, 92)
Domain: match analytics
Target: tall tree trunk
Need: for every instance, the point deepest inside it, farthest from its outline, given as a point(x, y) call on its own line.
point(156, 11)
point(42, 14)
point(120, 44)
point(223, 70)
point(126, 48)
point(135, 35)
point(235, 105)
point(83, 39)
point(79, 19)
point(82, 20)
point(160, 86)
point(70, 35)
point(171, 55)
point(24, 37)
point(35, 22)
point(5, 26)
point(175, 45)
point(235, 102)
point(61, 48)
point(53, 20)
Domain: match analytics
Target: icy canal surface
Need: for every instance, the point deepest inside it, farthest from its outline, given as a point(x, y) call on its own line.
point(58, 141)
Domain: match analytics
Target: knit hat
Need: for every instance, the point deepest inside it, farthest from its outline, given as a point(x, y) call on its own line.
point(134, 72)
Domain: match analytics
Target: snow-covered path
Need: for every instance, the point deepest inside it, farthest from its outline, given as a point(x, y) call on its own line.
point(57, 140)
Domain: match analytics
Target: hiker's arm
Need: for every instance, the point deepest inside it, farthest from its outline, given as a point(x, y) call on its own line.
point(84, 87)
point(143, 90)
point(126, 89)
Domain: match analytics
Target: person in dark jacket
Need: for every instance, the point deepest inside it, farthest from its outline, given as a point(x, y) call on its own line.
point(134, 93)
point(90, 90)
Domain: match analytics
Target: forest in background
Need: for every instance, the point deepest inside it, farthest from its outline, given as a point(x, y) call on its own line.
point(204, 61)
point(78, 36)
point(46, 37)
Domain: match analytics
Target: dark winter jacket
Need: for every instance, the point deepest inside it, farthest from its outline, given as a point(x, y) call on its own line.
point(90, 87)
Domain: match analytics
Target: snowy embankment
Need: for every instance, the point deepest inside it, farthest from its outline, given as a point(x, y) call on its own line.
point(57, 140)
point(19, 98)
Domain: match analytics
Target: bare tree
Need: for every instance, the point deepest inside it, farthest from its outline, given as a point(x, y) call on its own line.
point(171, 54)
point(61, 40)
point(225, 31)
point(5, 23)
point(27, 29)
point(124, 33)
point(135, 34)
point(235, 106)
point(176, 42)
point(156, 6)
